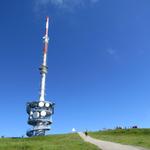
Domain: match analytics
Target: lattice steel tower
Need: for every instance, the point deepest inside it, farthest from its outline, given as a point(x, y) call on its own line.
point(40, 112)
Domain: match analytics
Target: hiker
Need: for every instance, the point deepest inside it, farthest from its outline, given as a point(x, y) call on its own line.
point(86, 133)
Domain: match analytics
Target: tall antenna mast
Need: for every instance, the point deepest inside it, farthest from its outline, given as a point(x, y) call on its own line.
point(43, 69)
point(40, 112)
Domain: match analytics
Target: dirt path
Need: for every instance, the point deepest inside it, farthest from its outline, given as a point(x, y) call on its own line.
point(107, 145)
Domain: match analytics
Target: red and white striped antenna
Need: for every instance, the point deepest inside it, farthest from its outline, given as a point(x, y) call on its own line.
point(43, 68)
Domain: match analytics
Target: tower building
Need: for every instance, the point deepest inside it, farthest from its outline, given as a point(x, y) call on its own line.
point(40, 112)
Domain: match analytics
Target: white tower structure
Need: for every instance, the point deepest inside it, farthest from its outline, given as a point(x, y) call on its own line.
point(40, 112)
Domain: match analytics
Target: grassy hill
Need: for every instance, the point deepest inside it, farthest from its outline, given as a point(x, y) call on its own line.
point(53, 142)
point(137, 137)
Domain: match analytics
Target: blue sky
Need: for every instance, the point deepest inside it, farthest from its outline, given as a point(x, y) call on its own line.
point(98, 58)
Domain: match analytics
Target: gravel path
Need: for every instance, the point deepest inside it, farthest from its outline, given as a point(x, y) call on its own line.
point(107, 145)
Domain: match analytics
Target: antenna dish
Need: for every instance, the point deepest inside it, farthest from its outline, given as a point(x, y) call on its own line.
point(43, 113)
point(47, 104)
point(41, 104)
point(36, 115)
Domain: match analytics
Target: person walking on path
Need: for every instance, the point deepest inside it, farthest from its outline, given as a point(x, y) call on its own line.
point(86, 133)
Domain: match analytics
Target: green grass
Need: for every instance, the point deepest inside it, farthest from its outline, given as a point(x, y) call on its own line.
point(137, 137)
point(53, 142)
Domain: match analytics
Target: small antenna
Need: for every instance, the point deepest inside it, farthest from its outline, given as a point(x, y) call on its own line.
point(43, 68)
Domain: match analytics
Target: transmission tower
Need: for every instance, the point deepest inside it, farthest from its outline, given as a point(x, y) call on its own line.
point(40, 112)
